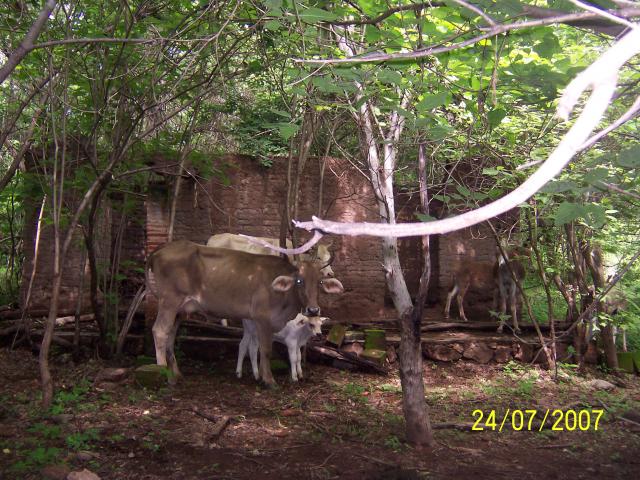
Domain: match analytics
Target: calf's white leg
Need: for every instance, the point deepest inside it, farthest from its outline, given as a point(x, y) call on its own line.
point(299, 362)
point(292, 348)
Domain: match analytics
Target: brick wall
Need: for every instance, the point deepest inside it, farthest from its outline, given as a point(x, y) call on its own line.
point(250, 202)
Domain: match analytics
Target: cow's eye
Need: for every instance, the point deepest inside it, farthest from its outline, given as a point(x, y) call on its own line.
point(299, 281)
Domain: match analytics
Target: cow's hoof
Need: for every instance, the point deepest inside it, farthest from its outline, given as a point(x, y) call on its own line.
point(517, 330)
point(270, 386)
point(499, 330)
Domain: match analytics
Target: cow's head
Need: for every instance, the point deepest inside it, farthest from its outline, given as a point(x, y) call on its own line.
point(304, 284)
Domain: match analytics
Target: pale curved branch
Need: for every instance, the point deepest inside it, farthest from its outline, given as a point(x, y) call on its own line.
point(317, 236)
point(601, 77)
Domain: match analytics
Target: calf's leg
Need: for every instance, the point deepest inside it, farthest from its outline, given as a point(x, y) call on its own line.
point(299, 362)
point(293, 361)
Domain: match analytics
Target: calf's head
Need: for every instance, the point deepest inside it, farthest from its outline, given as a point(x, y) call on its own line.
point(304, 285)
point(312, 324)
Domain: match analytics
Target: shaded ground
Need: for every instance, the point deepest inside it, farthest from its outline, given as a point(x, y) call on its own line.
point(335, 424)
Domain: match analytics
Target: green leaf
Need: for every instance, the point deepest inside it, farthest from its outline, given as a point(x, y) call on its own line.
point(424, 217)
point(549, 46)
point(438, 132)
point(559, 186)
point(390, 76)
point(314, 15)
point(596, 175)
point(567, 212)
point(595, 215)
point(629, 158)
point(429, 102)
point(495, 116)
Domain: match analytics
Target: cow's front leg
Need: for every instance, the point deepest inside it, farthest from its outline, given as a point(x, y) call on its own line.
point(265, 337)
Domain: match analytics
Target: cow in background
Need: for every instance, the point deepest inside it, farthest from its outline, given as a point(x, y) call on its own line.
point(497, 274)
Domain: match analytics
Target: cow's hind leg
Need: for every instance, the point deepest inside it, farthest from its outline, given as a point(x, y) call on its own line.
point(513, 297)
point(450, 295)
point(242, 351)
point(253, 355)
point(161, 329)
point(171, 356)
point(460, 299)
point(502, 293)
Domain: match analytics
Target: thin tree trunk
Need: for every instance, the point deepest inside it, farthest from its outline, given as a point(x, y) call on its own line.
point(89, 235)
point(26, 324)
point(76, 335)
point(594, 259)
point(415, 408)
point(547, 290)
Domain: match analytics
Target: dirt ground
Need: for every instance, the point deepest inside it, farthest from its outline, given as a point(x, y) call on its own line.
point(335, 424)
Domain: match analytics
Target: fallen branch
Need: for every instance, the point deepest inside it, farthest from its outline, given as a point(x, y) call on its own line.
point(348, 357)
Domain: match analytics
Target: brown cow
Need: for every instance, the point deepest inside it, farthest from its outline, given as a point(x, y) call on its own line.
point(188, 277)
point(497, 274)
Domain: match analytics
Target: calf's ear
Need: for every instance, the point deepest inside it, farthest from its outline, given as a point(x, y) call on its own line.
point(332, 285)
point(282, 283)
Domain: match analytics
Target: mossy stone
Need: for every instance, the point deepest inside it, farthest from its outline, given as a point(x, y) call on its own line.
point(144, 360)
point(336, 335)
point(152, 376)
point(374, 355)
point(375, 339)
point(625, 361)
point(636, 360)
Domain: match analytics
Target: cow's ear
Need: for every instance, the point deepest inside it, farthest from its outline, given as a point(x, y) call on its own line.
point(332, 285)
point(282, 283)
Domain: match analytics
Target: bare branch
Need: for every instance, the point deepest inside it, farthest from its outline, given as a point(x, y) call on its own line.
point(601, 77)
point(493, 31)
point(25, 47)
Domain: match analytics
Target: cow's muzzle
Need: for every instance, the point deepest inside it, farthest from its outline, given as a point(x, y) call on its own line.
point(312, 311)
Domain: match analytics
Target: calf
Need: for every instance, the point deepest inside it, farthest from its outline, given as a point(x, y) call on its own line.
point(187, 277)
point(294, 335)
